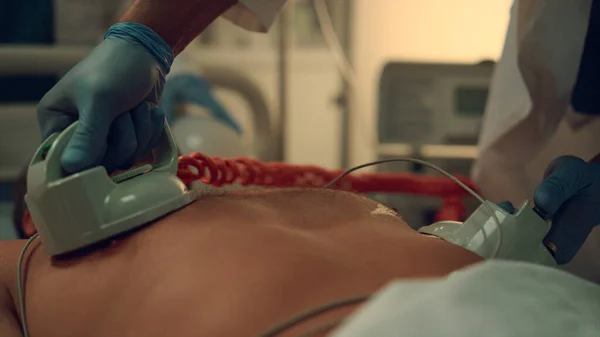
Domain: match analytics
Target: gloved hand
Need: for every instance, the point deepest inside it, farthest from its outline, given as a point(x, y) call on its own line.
point(192, 89)
point(114, 93)
point(570, 195)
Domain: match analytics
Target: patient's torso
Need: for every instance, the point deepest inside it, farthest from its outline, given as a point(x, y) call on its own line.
point(232, 265)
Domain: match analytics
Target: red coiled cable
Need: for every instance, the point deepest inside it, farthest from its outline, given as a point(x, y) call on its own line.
point(245, 171)
point(217, 172)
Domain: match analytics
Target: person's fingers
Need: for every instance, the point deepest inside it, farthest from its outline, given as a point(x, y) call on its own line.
point(88, 143)
point(52, 121)
point(562, 163)
point(122, 144)
point(571, 225)
point(142, 122)
point(157, 118)
point(54, 113)
point(507, 206)
point(564, 178)
point(168, 102)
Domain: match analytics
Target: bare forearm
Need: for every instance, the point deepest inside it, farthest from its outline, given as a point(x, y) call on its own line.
point(178, 22)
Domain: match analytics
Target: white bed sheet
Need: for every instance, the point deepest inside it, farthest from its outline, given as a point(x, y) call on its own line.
point(494, 298)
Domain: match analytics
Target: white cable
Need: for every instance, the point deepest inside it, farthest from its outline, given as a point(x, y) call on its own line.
point(20, 285)
point(347, 70)
point(445, 173)
point(341, 59)
point(330, 36)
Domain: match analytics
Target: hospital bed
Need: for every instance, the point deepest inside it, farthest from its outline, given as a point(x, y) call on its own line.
point(19, 135)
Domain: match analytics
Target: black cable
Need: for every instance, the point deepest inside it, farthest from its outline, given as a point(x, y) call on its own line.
point(274, 331)
point(373, 163)
point(322, 328)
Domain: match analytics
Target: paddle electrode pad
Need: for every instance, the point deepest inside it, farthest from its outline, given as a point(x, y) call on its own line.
point(518, 236)
point(74, 211)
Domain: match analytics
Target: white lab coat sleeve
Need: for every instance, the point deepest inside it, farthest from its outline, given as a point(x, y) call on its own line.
point(493, 298)
point(255, 15)
point(528, 121)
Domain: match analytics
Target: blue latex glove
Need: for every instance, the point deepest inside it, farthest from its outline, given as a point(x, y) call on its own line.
point(114, 93)
point(570, 195)
point(507, 206)
point(192, 89)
